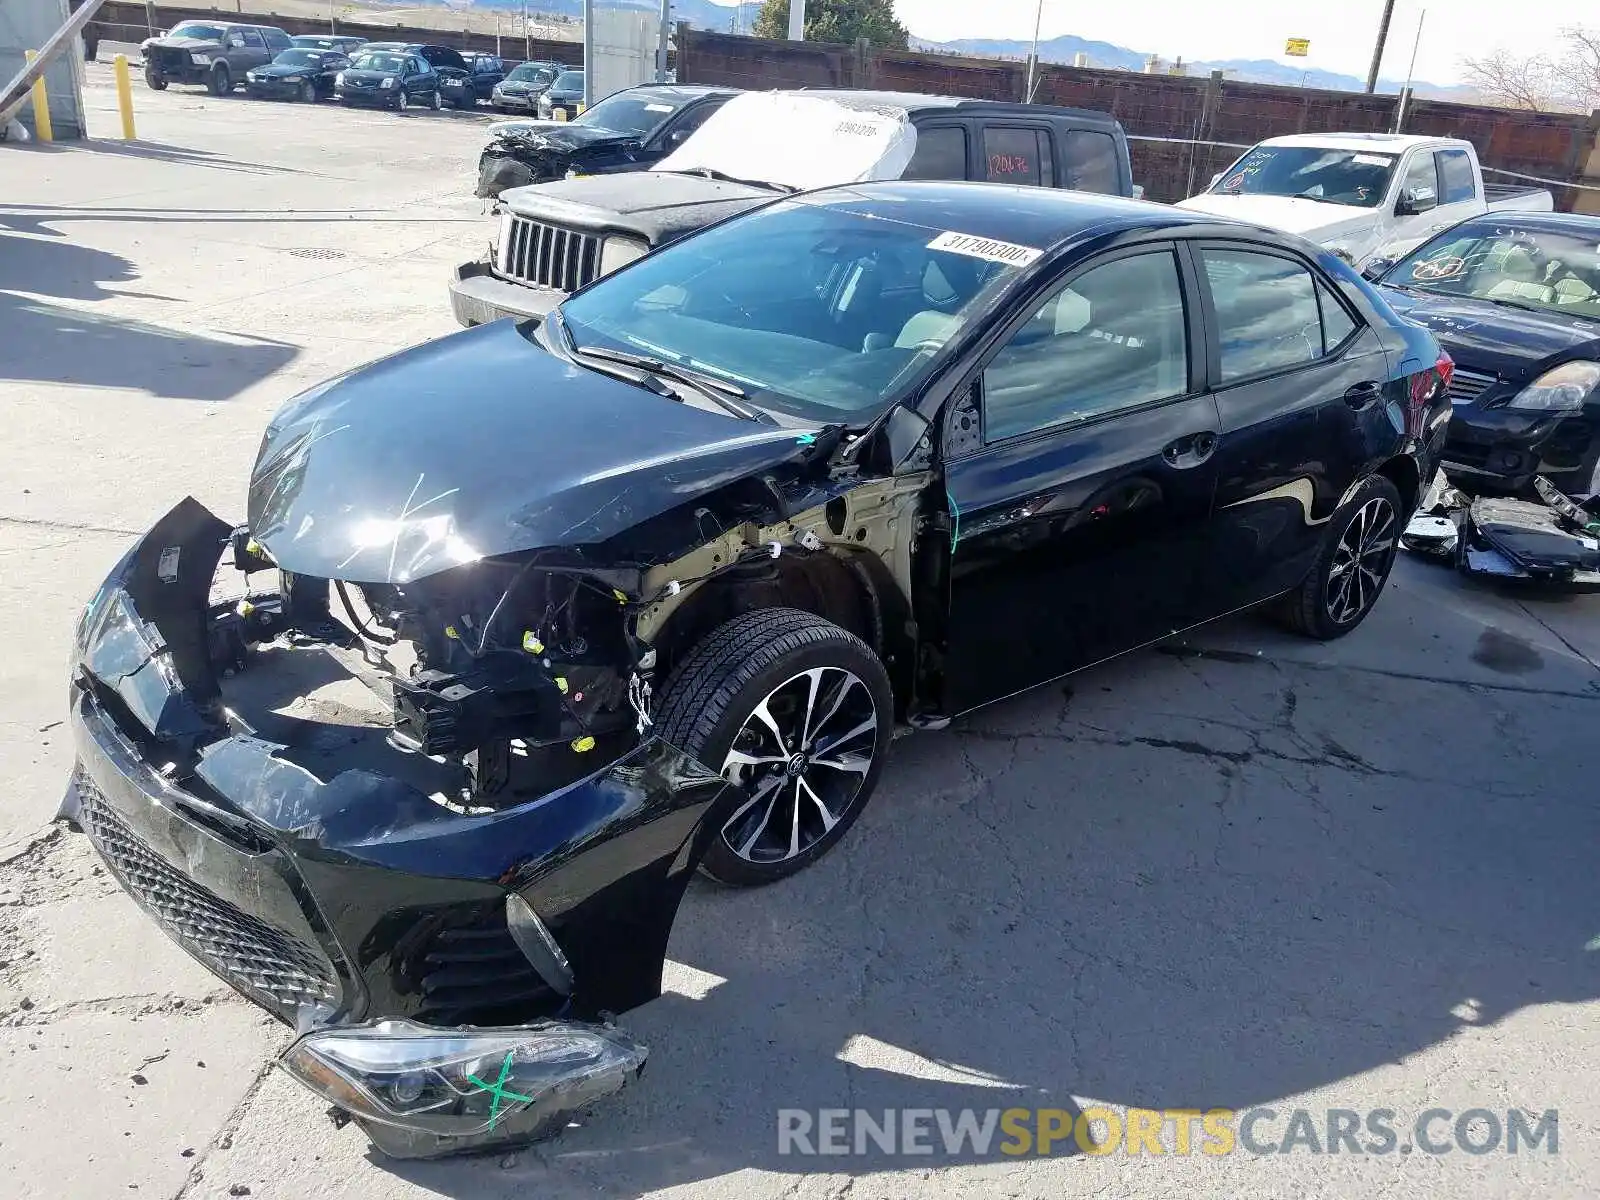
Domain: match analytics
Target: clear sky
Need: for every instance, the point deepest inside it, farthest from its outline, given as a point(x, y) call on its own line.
point(1342, 32)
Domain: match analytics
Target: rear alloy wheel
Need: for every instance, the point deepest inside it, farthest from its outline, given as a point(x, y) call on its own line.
point(308, 92)
point(797, 712)
point(1350, 574)
point(220, 81)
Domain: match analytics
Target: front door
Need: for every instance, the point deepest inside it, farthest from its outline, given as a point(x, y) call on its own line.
point(1298, 377)
point(1080, 484)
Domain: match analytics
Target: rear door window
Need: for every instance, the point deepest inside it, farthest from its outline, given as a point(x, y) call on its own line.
point(1267, 313)
point(1089, 162)
point(277, 39)
point(1017, 154)
point(941, 153)
point(1457, 179)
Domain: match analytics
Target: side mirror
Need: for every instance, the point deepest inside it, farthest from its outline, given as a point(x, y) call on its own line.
point(235, 42)
point(1416, 200)
point(1215, 179)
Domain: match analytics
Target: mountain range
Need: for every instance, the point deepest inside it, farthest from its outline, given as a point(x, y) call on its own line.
point(726, 18)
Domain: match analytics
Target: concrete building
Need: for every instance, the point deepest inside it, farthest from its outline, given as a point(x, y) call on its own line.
point(26, 25)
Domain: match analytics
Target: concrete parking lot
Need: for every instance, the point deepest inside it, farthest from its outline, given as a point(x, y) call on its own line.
point(1234, 871)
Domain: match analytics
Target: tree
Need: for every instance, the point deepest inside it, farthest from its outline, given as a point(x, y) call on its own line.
point(836, 21)
point(1569, 80)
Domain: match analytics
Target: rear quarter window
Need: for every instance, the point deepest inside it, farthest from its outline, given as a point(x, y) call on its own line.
point(1089, 162)
point(1013, 154)
point(1457, 180)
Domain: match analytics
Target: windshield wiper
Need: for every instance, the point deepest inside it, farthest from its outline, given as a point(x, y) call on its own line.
point(1318, 199)
point(721, 392)
point(723, 176)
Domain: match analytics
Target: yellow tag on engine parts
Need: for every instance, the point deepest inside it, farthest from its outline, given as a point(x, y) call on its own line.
point(585, 743)
point(621, 598)
point(450, 632)
point(532, 644)
point(561, 682)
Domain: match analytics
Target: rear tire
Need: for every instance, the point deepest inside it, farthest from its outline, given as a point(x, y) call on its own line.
point(797, 711)
point(220, 81)
point(1357, 556)
point(435, 100)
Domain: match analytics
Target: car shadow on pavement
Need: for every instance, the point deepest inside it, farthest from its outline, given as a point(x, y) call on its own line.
point(156, 151)
point(1174, 883)
point(58, 343)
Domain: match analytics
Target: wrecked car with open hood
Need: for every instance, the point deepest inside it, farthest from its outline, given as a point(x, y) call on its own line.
point(490, 670)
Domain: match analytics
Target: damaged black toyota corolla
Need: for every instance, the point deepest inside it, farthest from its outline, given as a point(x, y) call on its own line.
point(535, 621)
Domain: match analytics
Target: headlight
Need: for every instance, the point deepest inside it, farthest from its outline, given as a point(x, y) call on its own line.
point(618, 252)
point(200, 60)
point(424, 1091)
point(338, 80)
point(388, 81)
point(1560, 389)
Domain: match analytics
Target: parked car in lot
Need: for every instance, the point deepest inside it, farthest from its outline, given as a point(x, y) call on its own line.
point(760, 145)
point(316, 41)
point(1515, 299)
point(519, 91)
point(653, 592)
point(297, 74)
point(216, 53)
point(1360, 193)
point(389, 79)
point(477, 82)
point(563, 99)
point(627, 131)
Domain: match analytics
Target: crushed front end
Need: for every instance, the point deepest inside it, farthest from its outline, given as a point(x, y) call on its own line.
point(440, 859)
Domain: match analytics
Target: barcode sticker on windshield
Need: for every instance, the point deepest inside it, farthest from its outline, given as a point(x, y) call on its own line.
point(658, 108)
point(1370, 160)
point(984, 248)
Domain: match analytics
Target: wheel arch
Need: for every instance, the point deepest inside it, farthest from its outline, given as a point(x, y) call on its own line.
point(1404, 472)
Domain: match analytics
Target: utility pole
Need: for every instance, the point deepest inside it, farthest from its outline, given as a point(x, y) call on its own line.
point(1033, 55)
point(1377, 51)
point(661, 46)
point(1405, 92)
point(797, 20)
point(588, 54)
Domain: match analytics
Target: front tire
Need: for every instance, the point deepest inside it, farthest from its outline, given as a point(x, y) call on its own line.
point(1353, 567)
point(799, 713)
point(308, 93)
point(402, 102)
point(155, 82)
point(220, 81)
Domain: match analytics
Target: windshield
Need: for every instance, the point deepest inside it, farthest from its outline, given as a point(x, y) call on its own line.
point(528, 73)
point(194, 29)
point(1532, 268)
point(639, 114)
point(379, 62)
point(301, 58)
point(816, 310)
point(1351, 177)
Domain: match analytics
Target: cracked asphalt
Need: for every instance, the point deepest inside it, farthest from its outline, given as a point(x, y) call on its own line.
point(1238, 870)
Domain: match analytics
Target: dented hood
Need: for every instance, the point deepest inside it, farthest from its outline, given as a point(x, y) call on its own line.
point(480, 444)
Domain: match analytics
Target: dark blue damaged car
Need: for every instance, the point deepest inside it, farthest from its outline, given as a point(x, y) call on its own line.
point(526, 625)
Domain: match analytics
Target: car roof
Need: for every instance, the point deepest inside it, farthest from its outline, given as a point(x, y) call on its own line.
point(1386, 143)
point(683, 91)
point(1553, 222)
point(1028, 216)
point(924, 102)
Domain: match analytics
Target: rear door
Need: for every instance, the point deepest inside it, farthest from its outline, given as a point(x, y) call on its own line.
point(1079, 476)
point(1298, 379)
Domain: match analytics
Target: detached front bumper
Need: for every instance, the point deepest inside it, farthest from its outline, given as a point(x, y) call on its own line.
point(349, 899)
point(478, 296)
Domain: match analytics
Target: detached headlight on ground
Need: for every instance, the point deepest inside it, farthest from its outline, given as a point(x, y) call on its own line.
point(1560, 389)
point(422, 1092)
point(618, 252)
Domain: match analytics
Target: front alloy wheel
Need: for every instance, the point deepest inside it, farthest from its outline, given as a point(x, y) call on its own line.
point(402, 103)
point(797, 713)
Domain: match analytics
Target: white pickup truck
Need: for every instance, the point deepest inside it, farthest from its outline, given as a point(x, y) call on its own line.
point(1360, 194)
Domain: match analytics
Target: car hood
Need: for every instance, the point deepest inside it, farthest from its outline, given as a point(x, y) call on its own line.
point(657, 205)
point(1483, 336)
point(481, 444)
point(366, 74)
point(284, 70)
point(185, 43)
point(1309, 218)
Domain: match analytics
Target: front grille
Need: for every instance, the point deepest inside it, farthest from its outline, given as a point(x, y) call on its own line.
point(171, 59)
point(273, 967)
point(476, 972)
point(1466, 386)
point(549, 256)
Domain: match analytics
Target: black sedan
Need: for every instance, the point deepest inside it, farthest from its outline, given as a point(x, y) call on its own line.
point(306, 75)
point(396, 79)
point(648, 587)
point(1515, 298)
point(563, 99)
point(314, 41)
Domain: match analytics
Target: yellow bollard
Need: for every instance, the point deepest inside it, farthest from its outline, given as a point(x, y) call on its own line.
point(41, 107)
point(124, 96)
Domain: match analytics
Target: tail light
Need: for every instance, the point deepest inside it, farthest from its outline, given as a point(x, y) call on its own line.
point(1427, 386)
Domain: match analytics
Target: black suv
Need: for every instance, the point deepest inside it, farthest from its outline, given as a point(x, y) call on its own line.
point(216, 53)
point(463, 90)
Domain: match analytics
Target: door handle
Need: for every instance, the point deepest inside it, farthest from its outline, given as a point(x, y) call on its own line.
point(1362, 394)
point(1190, 450)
